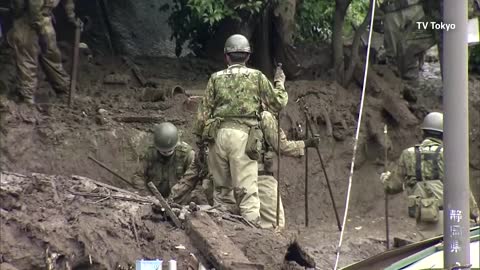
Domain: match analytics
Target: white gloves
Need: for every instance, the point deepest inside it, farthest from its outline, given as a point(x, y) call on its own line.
point(385, 176)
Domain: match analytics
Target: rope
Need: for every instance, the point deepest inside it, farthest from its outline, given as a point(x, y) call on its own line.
point(352, 166)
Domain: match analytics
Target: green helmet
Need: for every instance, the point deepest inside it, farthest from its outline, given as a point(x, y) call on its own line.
point(165, 137)
point(433, 121)
point(237, 43)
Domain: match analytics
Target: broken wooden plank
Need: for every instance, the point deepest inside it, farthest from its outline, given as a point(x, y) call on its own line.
point(165, 205)
point(215, 245)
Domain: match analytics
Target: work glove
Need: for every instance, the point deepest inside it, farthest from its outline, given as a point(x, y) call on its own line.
point(385, 176)
point(279, 75)
point(312, 142)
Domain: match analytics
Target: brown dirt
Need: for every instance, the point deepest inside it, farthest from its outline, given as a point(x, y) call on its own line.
point(56, 140)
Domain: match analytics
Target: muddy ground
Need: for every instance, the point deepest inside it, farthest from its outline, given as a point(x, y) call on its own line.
point(111, 122)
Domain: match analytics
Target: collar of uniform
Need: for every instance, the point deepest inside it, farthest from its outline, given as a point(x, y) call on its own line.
point(236, 65)
point(429, 140)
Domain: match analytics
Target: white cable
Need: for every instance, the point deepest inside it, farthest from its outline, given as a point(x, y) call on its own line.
point(352, 166)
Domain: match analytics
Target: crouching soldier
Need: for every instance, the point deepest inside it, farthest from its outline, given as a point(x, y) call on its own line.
point(170, 165)
point(267, 184)
point(420, 171)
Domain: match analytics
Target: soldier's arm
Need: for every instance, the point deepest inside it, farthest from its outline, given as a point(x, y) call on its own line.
point(395, 183)
point(270, 130)
point(69, 7)
point(188, 182)
point(34, 9)
point(204, 108)
point(276, 97)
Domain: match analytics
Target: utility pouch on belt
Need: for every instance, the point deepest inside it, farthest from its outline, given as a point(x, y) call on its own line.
point(253, 149)
point(412, 205)
point(210, 130)
point(428, 210)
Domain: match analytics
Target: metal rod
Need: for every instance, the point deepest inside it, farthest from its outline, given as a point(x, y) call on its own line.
point(110, 170)
point(279, 153)
point(385, 165)
point(73, 79)
point(306, 179)
point(456, 138)
point(309, 127)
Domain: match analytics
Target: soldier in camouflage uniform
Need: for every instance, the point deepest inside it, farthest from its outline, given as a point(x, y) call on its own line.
point(227, 115)
point(34, 40)
point(404, 42)
point(267, 184)
point(420, 171)
point(170, 165)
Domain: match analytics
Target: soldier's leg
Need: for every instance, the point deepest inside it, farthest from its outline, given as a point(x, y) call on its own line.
point(267, 192)
point(219, 168)
point(392, 25)
point(429, 230)
point(24, 41)
point(51, 60)
point(244, 173)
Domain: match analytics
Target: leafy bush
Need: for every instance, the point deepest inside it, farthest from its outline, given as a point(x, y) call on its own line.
point(197, 20)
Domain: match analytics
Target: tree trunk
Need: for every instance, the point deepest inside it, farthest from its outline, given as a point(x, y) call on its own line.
point(341, 7)
point(356, 43)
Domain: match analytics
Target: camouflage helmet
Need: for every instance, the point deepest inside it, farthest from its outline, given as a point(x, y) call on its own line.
point(165, 137)
point(433, 121)
point(237, 43)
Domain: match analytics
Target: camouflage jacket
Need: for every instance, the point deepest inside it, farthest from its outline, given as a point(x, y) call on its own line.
point(430, 171)
point(238, 92)
point(269, 127)
point(174, 176)
point(37, 10)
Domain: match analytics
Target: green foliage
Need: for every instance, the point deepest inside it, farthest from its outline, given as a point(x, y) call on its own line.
point(197, 20)
point(315, 19)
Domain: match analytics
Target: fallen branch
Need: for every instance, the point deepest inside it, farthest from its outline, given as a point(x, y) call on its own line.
point(106, 196)
point(135, 196)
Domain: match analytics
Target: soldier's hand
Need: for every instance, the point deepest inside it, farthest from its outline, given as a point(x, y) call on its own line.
point(385, 176)
point(279, 76)
point(312, 142)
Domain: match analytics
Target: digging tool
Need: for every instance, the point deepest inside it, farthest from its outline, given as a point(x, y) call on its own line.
point(73, 82)
point(164, 204)
point(111, 171)
point(279, 66)
point(309, 127)
point(387, 228)
point(306, 180)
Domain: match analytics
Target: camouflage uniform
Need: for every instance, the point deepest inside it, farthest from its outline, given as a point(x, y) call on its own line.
point(174, 176)
point(430, 185)
point(233, 100)
point(267, 184)
point(34, 40)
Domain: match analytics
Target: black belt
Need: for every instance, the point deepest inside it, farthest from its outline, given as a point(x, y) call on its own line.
point(265, 173)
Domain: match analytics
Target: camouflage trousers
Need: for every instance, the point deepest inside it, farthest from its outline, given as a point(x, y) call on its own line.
point(267, 191)
point(32, 48)
point(232, 169)
point(403, 40)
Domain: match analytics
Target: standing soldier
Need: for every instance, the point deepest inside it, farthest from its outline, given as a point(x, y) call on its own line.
point(33, 40)
point(420, 171)
point(170, 165)
point(267, 184)
point(229, 121)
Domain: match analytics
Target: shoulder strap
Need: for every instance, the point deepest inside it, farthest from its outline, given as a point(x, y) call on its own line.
point(436, 169)
point(418, 163)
